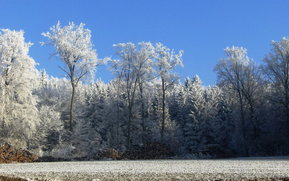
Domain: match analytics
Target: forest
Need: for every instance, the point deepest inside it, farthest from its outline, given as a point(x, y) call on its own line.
point(245, 114)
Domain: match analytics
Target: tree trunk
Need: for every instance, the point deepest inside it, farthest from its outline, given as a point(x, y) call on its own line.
point(286, 88)
point(142, 113)
point(3, 109)
point(71, 107)
point(117, 121)
point(243, 124)
point(128, 139)
point(163, 111)
point(4, 98)
point(253, 120)
point(287, 106)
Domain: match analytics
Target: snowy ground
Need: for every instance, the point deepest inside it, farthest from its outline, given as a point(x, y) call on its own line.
point(236, 169)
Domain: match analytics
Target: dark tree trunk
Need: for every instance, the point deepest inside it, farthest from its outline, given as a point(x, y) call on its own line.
point(286, 106)
point(253, 120)
point(117, 121)
point(163, 110)
point(142, 112)
point(73, 86)
point(71, 107)
point(128, 139)
point(243, 124)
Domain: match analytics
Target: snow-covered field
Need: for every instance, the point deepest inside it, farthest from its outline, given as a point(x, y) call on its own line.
point(152, 170)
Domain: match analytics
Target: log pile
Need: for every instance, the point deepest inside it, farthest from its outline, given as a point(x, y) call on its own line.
point(9, 154)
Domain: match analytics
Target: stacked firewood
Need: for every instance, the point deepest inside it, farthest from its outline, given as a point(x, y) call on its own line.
point(9, 154)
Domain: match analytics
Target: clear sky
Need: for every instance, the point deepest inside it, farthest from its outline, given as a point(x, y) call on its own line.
point(201, 28)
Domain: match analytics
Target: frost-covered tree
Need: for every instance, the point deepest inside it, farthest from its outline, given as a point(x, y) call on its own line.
point(166, 61)
point(277, 70)
point(178, 104)
point(18, 79)
point(135, 62)
point(146, 54)
point(211, 97)
point(230, 73)
point(238, 73)
point(53, 95)
point(194, 121)
point(117, 116)
point(224, 123)
point(177, 114)
point(74, 47)
point(48, 132)
point(92, 129)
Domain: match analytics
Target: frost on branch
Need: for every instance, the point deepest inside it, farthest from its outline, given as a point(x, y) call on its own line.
point(74, 47)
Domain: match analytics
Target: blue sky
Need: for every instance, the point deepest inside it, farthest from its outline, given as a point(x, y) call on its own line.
point(201, 28)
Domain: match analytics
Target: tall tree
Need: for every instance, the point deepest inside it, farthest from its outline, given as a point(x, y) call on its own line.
point(277, 70)
point(74, 47)
point(240, 74)
point(166, 61)
point(135, 62)
point(18, 79)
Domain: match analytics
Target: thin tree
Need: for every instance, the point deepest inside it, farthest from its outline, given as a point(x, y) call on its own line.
point(74, 47)
point(166, 61)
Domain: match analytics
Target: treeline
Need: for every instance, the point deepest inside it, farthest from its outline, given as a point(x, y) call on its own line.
point(245, 114)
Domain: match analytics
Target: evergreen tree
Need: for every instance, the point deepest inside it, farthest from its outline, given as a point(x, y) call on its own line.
point(194, 121)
